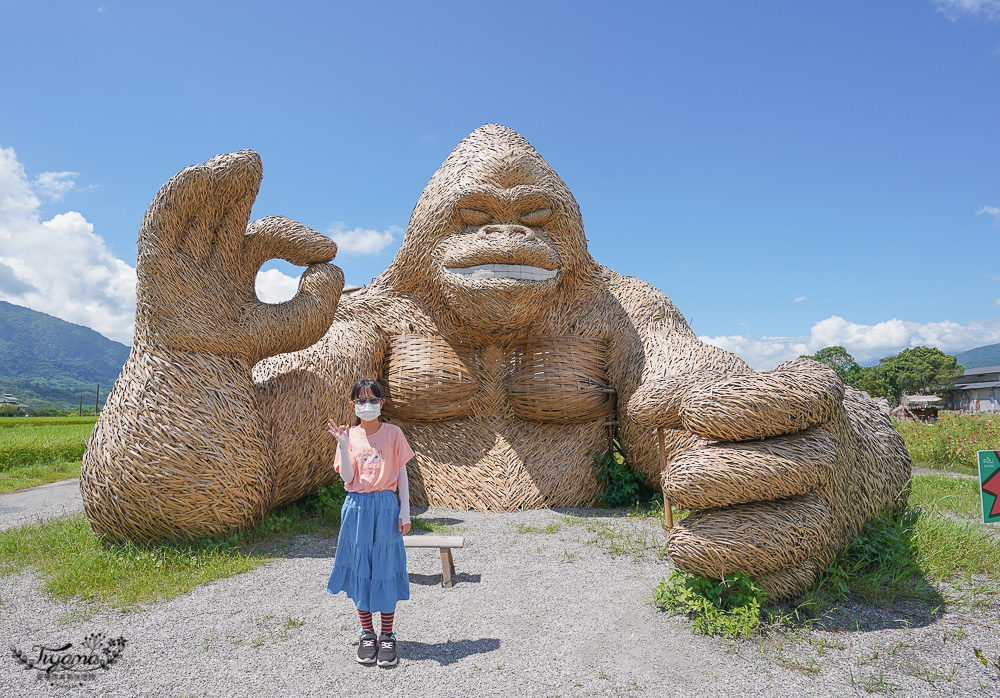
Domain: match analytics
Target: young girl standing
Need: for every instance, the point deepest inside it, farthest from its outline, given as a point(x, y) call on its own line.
point(370, 564)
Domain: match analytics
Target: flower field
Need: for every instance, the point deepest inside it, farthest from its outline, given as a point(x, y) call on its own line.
point(952, 441)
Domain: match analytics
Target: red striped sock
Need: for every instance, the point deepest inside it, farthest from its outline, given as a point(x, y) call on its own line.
point(366, 621)
point(387, 622)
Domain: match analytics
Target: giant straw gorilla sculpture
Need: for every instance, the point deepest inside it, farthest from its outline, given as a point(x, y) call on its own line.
point(506, 352)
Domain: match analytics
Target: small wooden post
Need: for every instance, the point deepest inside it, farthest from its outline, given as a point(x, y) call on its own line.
point(668, 514)
point(97, 398)
point(447, 568)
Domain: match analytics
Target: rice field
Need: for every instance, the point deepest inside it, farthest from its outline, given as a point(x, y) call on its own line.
point(21, 422)
point(42, 440)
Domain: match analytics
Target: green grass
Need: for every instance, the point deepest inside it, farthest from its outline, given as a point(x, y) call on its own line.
point(548, 529)
point(21, 477)
point(42, 444)
point(430, 526)
point(942, 493)
point(951, 442)
point(67, 554)
point(896, 558)
point(947, 548)
point(20, 422)
point(74, 564)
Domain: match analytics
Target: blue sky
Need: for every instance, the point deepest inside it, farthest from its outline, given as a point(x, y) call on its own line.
point(793, 175)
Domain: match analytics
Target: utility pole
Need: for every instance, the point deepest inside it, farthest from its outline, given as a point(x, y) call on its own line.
point(97, 398)
point(81, 407)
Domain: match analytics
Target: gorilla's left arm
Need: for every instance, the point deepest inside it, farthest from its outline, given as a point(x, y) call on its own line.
point(781, 467)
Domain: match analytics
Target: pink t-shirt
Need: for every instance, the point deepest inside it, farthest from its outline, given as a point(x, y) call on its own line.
point(377, 458)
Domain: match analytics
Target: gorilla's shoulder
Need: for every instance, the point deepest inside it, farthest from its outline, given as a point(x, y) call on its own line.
point(636, 295)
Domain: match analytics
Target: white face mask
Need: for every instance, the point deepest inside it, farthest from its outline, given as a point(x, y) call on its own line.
point(368, 413)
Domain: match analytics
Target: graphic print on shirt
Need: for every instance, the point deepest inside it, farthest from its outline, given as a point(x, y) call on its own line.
point(368, 464)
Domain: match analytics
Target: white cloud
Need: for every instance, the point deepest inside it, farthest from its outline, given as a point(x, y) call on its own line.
point(799, 299)
point(274, 286)
point(992, 211)
point(59, 266)
point(53, 185)
point(102, 9)
point(996, 301)
point(954, 9)
point(362, 240)
point(864, 342)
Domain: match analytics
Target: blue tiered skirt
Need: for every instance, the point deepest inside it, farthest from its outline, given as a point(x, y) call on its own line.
point(370, 564)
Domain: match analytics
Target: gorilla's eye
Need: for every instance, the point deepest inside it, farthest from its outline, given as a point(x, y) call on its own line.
point(473, 217)
point(537, 217)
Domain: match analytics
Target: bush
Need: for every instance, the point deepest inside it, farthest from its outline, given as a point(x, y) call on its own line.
point(11, 411)
point(50, 412)
point(620, 485)
point(729, 606)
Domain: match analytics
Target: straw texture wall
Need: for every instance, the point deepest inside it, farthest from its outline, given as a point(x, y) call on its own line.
point(508, 355)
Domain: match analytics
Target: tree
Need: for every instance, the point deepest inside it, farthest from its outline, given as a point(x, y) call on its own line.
point(840, 361)
point(916, 370)
point(10, 411)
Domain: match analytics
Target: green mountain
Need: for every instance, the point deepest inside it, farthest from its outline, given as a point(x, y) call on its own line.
point(988, 355)
point(48, 362)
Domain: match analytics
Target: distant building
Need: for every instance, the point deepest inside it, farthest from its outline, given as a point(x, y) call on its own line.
point(8, 399)
point(922, 407)
point(977, 390)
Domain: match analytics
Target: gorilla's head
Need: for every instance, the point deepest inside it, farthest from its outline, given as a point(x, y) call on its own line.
point(496, 236)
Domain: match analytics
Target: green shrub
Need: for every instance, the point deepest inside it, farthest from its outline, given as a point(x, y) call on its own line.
point(730, 607)
point(51, 412)
point(307, 514)
point(620, 486)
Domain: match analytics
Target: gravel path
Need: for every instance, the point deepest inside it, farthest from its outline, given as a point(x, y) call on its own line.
point(942, 473)
point(546, 604)
point(42, 502)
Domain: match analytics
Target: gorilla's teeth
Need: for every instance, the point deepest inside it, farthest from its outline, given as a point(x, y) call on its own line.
point(503, 271)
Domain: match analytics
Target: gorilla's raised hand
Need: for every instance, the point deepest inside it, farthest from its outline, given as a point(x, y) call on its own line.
point(198, 263)
point(180, 449)
point(794, 467)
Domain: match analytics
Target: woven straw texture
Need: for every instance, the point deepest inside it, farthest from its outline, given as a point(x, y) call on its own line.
point(846, 465)
point(181, 449)
point(508, 355)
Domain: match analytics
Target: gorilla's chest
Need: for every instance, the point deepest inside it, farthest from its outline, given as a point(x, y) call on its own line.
point(542, 379)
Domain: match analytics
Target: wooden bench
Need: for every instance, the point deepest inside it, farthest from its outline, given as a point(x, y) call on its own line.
point(445, 543)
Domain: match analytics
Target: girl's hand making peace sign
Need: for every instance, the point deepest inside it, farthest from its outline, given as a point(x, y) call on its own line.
point(340, 431)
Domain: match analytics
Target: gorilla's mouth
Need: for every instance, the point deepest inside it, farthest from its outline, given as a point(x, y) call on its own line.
point(519, 272)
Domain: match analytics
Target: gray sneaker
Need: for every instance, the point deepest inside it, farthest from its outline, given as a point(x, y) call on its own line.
point(367, 648)
point(387, 650)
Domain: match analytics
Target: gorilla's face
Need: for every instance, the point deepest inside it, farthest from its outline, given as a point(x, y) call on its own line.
point(500, 254)
point(496, 236)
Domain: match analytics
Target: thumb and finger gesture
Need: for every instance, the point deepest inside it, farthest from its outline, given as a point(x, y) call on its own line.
point(198, 262)
point(340, 431)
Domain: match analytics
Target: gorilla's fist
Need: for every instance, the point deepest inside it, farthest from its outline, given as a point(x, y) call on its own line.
point(794, 467)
